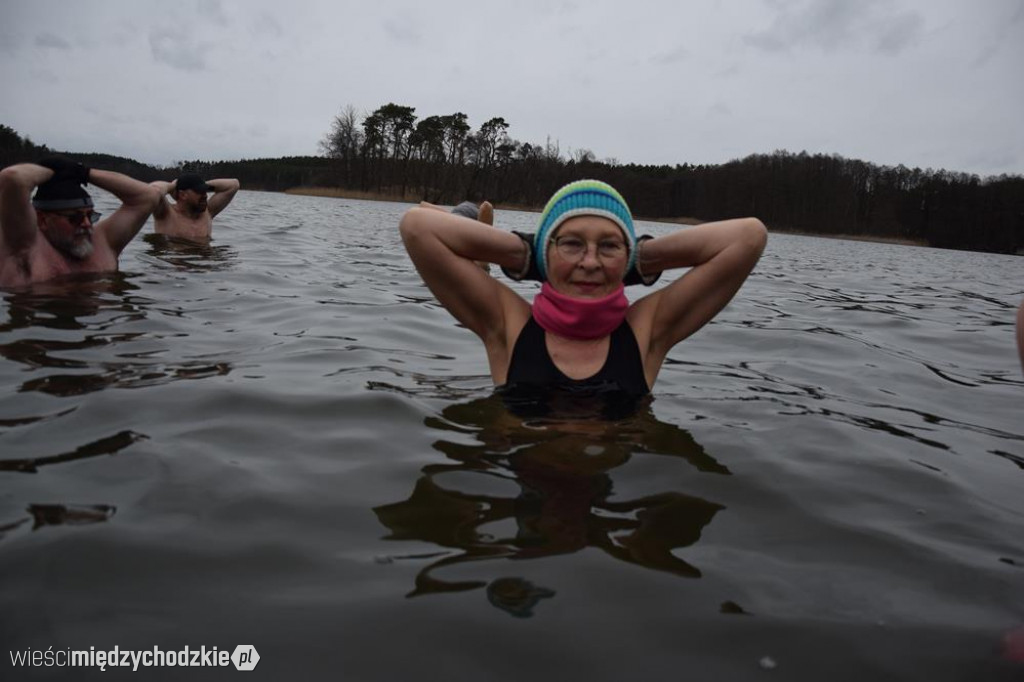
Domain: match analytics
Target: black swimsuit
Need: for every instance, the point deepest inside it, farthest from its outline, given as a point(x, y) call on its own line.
point(621, 377)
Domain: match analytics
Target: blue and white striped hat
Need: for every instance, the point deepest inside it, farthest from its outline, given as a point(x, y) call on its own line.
point(583, 197)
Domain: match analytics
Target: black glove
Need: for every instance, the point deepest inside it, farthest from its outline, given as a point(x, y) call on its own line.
point(530, 273)
point(66, 169)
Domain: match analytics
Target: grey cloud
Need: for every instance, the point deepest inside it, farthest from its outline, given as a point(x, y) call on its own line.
point(258, 130)
point(45, 76)
point(213, 11)
point(997, 160)
point(403, 30)
point(826, 24)
point(837, 24)
point(177, 49)
point(1006, 33)
point(49, 40)
point(765, 40)
point(9, 42)
point(728, 71)
point(672, 56)
point(266, 25)
point(720, 108)
point(902, 31)
point(104, 113)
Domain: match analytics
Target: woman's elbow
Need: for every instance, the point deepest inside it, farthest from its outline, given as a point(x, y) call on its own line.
point(410, 225)
point(753, 235)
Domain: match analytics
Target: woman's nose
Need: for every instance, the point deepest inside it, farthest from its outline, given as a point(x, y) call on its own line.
point(590, 258)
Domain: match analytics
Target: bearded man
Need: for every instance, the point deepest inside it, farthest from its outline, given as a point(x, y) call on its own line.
point(57, 232)
point(191, 215)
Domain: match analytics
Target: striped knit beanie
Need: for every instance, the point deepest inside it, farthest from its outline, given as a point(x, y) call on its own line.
point(583, 197)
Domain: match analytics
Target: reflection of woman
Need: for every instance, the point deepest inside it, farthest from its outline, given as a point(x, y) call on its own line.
point(580, 330)
point(555, 486)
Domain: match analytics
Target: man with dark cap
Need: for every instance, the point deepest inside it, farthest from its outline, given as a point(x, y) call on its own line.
point(191, 215)
point(57, 232)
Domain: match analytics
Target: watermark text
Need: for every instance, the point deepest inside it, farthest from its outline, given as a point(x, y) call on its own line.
point(244, 657)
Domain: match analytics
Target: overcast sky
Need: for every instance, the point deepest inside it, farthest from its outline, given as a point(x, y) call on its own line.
point(927, 83)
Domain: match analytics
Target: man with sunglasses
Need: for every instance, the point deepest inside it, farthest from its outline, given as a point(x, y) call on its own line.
point(191, 215)
point(57, 232)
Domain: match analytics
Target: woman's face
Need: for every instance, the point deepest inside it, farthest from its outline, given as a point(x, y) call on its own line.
point(587, 257)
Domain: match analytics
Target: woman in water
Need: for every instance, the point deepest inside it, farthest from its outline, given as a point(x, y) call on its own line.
point(581, 332)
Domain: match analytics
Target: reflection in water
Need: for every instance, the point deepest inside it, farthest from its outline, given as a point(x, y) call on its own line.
point(125, 375)
point(516, 595)
point(66, 303)
point(184, 254)
point(61, 515)
point(565, 500)
point(8, 527)
point(95, 305)
point(104, 446)
point(68, 514)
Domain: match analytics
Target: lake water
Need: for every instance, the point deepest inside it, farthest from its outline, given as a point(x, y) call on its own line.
point(282, 440)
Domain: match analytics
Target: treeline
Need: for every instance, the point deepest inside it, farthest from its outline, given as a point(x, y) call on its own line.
point(268, 174)
point(442, 159)
point(15, 149)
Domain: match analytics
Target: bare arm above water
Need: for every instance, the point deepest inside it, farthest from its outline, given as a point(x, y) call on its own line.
point(138, 201)
point(443, 247)
point(721, 255)
point(17, 217)
point(164, 188)
point(224, 190)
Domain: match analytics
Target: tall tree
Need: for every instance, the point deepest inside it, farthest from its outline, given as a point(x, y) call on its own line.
point(396, 123)
point(342, 142)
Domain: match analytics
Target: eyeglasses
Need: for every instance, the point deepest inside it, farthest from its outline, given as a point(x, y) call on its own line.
point(574, 248)
point(79, 217)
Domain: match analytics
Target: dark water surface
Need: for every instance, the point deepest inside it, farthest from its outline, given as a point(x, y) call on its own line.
point(282, 440)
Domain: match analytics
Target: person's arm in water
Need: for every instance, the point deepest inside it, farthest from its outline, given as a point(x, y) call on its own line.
point(224, 190)
point(443, 247)
point(17, 217)
point(138, 201)
point(721, 255)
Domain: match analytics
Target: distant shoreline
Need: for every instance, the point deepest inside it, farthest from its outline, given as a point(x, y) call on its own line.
point(338, 193)
point(854, 237)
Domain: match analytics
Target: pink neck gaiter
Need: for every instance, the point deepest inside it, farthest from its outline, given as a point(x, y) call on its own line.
point(579, 318)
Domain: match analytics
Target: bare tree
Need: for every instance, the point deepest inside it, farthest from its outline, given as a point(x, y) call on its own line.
point(343, 141)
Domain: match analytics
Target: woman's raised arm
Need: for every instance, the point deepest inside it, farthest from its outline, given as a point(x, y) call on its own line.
point(443, 247)
point(721, 255)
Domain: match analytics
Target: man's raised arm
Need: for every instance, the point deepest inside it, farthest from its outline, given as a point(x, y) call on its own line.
point(224, 190)
point(138, 201)
point(164, 188)
point(17, 217)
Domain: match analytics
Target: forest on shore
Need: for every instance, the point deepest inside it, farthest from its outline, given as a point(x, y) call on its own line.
point(391, 154)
